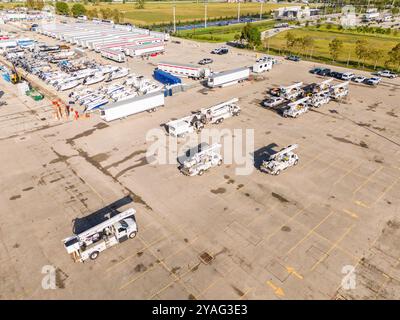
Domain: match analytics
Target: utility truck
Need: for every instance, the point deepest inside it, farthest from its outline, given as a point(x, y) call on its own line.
point(186, 125)
point(296, 108)
point(340, 90)
point(218, 113)
point(319, 99)
point(226, 78)
point(206, 158)
point(88, 244)
point(291, 92)
point(280, 161)
point(184, 70)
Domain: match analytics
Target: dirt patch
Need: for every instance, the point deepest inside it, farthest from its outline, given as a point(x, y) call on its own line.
point(16, 246)
point(140, 267)
point(61, 277)
point(240, 186)
point(27, 189)
point(344, 140)
point(218, 190)
point(279, 197)
point(175, 270)
point(139, 253)
point(18, 196)
point(191, 297)
point(286, 229)
point(392, 114)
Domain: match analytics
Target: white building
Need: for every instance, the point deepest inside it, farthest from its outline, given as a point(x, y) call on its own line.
point(294, 13)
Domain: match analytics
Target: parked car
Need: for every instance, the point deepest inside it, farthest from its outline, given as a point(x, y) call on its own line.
point(358, 79)
point(373, 81)
point(387, 74)
point(273, 102)
point(324, 72)
point(221, 50)
point(293, 58)
point(315, 70)
point(347, 76)
point(205, 61)
point(335, 74)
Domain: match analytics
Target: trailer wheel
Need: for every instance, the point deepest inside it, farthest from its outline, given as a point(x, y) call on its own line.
point(132, 234)
point(219, 162)
point(277, 172)
point(201, 172)
point(94, 255)
point(296, 162)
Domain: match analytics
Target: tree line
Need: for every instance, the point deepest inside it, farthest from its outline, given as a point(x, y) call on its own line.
point(80, 10)
point(364, 50)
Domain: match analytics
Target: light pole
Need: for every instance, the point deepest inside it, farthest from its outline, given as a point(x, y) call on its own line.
point(238, 10)
point(173, 12)
point(205, 14)
point(261, 7)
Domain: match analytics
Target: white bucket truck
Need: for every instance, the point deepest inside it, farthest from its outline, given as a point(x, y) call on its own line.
point(206, 158)
point(218, 113)
point(296, 108)
point(340, 90)
point(291, 92)
point(88, 244)
point(320, 98)
point(280, 161)
point(184, 126)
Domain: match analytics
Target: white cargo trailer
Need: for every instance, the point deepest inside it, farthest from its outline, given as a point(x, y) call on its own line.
point(229, 77)
point(114, 55)
point(262, 66)
point(149, 102)
point(135, 51)
point(184, 70)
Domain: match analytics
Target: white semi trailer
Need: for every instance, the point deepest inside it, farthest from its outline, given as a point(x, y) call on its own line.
point(226, 78)
point(88, 244)
point(114, 55)
point(149, 102)
point(184, 70)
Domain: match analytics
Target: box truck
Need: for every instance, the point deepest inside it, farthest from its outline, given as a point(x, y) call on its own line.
point(149, 102)
point(229, 77)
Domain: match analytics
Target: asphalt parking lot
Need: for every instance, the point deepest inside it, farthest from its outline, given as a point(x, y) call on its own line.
point(219, 236)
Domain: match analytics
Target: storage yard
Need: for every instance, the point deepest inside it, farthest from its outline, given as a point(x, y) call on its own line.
point(217, 235)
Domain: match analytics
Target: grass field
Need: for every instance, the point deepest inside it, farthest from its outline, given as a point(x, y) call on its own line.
point(162, 12)
point(320, 49)
point(222, 34)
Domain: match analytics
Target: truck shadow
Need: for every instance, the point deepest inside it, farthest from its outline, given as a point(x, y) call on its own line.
point(263, 153)
point(82, 224)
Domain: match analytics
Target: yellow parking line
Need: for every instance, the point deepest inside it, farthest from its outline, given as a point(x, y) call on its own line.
point(367, 180)
point(309, 233)
point(331, 248)
point(351, 213)
point(385, 191)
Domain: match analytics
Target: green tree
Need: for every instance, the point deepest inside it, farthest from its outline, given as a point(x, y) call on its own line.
point(305, 42)
point(251, 35)
point(335, 47)
point(290, 40)
point(78, 10)
point(362, 50)
point(140, 4)
point(39, 4)
point(62, 8)
point(30, 4)
point(394, 56)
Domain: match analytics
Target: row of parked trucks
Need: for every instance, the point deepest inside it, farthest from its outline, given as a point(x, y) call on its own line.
point(296, 99)
point(196, 121)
